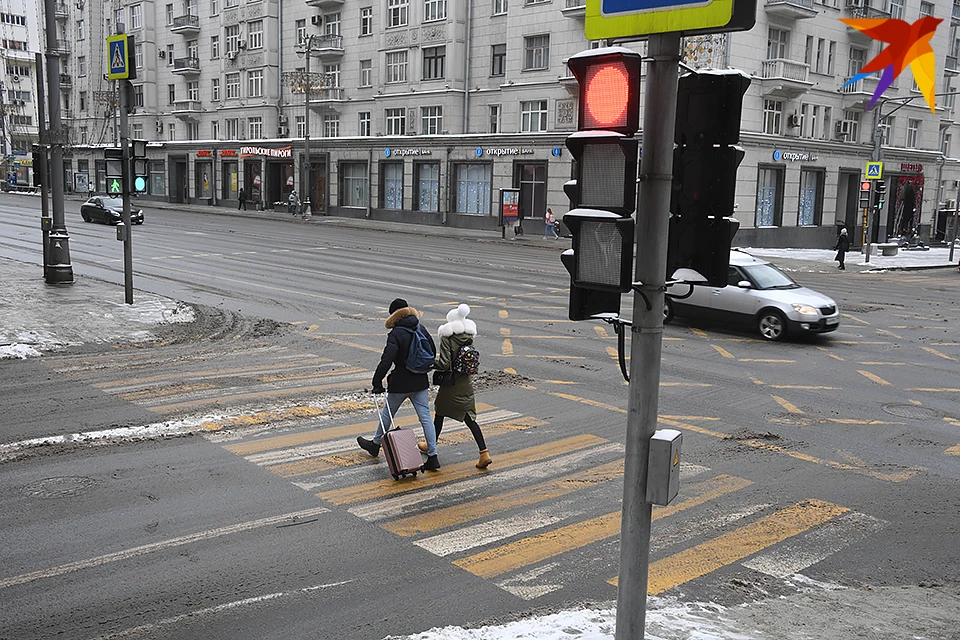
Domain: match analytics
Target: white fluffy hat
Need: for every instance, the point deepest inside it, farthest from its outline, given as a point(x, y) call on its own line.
point(457, 322)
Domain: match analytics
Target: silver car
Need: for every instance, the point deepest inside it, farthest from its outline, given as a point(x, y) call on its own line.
point(757, 294)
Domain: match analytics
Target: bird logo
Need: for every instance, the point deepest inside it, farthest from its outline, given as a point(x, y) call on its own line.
point(908, 44)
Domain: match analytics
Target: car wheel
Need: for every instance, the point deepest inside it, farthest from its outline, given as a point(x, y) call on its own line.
point(667, 309)
point(772, 324)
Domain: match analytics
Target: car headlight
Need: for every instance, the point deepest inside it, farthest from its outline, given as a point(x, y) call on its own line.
point(804, 309)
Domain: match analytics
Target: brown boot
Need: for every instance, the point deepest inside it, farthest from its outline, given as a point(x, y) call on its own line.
point(485, 460)
point(422, 446)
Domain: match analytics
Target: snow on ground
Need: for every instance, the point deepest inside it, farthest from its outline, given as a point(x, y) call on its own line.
point(938, 256)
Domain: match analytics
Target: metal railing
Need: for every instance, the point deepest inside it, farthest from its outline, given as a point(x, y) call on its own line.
point(784, 68)
point(188, 21)
point(806, 4)
point(186, 64)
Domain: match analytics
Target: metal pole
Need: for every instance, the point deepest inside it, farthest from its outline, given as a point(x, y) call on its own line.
point(877, 149)
point(59, 270)
point(125, 89)
point(659, 119)
point(305, 183)
point(956, 210)
point(45, 220)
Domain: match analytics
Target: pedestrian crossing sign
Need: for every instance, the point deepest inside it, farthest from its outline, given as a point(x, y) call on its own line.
point(118, 57)
point(114, 187)
point(874, 170)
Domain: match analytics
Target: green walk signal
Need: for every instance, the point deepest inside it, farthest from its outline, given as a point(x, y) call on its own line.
point(114, 187)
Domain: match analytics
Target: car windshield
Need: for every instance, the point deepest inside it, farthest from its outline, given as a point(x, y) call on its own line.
point(767, 276)
point(112, 203)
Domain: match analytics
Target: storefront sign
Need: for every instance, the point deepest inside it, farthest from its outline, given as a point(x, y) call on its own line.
point(908, 167)
point(283, 152)
point(228, 153)
point(407, 152)
point(794, 156)
point(204, 153)
point(503, 151)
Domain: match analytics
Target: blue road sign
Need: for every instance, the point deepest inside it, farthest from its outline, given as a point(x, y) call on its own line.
point(874, 171)
point(118, 57)
point(616, 18)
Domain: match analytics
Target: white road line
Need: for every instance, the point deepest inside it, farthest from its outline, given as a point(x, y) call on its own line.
point(815, 545)
point(158, 546)
point(400, 505)
point(677, 532)
point(484, 533)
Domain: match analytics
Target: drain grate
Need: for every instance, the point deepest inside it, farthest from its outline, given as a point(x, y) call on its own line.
point(913, 411)
point(62, 487)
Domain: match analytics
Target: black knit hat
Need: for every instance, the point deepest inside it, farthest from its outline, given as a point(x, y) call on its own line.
point(399, 303)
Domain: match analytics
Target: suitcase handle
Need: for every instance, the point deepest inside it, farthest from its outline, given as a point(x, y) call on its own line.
point(376, 403)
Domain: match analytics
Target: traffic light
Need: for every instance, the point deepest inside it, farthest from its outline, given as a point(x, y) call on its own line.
point(865, 194)
point(709, 106)
point(603, 192)
point(138, 161)
point(881, 193)
point(114, 161)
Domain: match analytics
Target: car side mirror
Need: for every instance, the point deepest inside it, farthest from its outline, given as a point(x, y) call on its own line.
point(744, 284)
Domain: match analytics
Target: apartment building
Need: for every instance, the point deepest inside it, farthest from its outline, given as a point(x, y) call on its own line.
point(422, 110)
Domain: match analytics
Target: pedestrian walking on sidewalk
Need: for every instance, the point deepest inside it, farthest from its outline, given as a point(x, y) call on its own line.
point(402, 382)
point(457, 400)
point(293, 201)
point(843, 244)
point(550, 225)
point(243, 200)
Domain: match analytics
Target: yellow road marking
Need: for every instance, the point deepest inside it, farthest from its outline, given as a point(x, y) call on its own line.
point(855, 318)
point(728, 548)
point(389, 487)
point(503, 314)
point(286, 441)
point(567, 382)
point(263, 417)
point(346, 343)
point(268, 395)
point(873, 377)
point(162, 392)
point(504, 331)
point(613, 353)
point(887, 364)
point(698, 332)
point(890, 477)
point(521, 553)
point(507, 347)
point(510, 371)
point(786, 405)
point(765, 360)
point(592, 403)
point(466, 512)
point(722, 351)
point(802, 386)
point(193, 375)
point(685, 384)
point(756, 380)
point(890, 333)
point(935, 389)
point(953, 451)
point(684, 425)
point(939, 353)
point(279, 377)
point(834, 356)
point(601, 332)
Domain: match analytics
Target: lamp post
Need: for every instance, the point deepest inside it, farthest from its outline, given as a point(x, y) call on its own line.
point(304, 50)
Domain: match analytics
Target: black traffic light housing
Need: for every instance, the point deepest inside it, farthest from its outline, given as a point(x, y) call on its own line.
point(606, 172)
point(587, 304)
point(881, 191)
point(864, 194)
point(138, 164)
point(114, 170)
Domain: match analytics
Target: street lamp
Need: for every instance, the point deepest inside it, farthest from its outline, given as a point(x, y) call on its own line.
point(305, 50)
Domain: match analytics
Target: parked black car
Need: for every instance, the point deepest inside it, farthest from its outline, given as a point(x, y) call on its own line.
point(108, 211)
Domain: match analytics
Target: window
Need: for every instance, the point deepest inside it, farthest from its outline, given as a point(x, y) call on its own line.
point(945, 137)
point(331, 24)
point(255, 34)
point(858, 58)
point(808, 52)
point(499, 7)
point(811, 197)
point(396, 122)
point(214, 7)
point(83, 98)
point(434, 10)
point(536, 52)
point(232, 37)
point(301, 124)
point(397, 12)
point(331, 126)
point(363, 119)
point(366, 73)
point(831, 57)
point(426, 180)
point(396, 66)
point(138, 55)
point(193, 131)
point(533, 116)
point(172, 131)
point(820, 61)
point(366, 21)
point(433, 58)
point(83, 135)
point(772, 116)
point(214, 129)
point(255, 83)
point(391, 185)
point(232, 3)
point(118, 17)
point(169, 55)
point(926, 9)
point(171, 93)
point(138, 131)
point(214, 47)
point(137, 96)
point(896, 9)
point(233, 128)
point(498, 59)
point(301, 26)
point(353, 184)
point(193, 90)
point(431, 121)
point(233, 85)
point(777, 40)
point(193, 49)
point(473, 188)
point(81, 66)
point(81, 31)
point(531, 179)
point(769, 196)
point(255, 127)
point(494, 118)
point(215, 89)
point(913, 133)
point(136, 16)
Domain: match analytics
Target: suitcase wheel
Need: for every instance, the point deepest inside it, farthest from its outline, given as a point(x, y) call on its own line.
point(395, 476)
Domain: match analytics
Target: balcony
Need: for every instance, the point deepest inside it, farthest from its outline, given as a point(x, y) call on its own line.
point(862, 9)
point(63, 47)
point(951, 66)
point(782, 78)
point(187, 109)
point(570, 83)
point(187, 25)
point(955, 14)
point(61, 10)
point(860, 92)
point(186, 66)
point(576, 8)
point(327, 99)
point(66, 81)
point(791, 9)
point(325, 4)
point(328, 47)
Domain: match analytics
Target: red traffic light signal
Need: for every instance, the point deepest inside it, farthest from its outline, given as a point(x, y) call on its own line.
point(609, 89)
point(865, 185)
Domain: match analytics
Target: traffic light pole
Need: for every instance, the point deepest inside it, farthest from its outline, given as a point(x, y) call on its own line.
point(647, 331)
point(127, 183)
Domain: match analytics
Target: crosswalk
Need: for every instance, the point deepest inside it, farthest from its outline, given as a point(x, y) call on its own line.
point(546, 514)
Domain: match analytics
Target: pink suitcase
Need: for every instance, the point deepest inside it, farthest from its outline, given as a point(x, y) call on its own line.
point(399, 448)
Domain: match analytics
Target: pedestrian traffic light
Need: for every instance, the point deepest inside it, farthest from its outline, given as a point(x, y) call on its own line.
point(865, 194)
point(114, 170)
point(587, 304)
point(705, 161)
point(881, 193)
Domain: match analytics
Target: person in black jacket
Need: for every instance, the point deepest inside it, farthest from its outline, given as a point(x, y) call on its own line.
point(843, 244)
point(401, 382)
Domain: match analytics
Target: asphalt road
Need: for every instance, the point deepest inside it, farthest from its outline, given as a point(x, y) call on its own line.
point(833, 458)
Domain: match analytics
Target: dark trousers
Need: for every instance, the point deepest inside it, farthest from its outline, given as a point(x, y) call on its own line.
point(471, 424)
point(242, 205)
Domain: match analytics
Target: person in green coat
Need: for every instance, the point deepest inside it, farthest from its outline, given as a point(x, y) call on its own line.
point(456, 401)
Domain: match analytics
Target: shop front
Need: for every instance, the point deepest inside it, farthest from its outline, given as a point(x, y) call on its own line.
point(905, 213)
point(229, 175)
point(268, 174)
point(203, 176)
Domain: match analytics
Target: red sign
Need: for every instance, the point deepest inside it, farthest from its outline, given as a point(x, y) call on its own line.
point(911, 168)
point(204, 153)
point(228, 153)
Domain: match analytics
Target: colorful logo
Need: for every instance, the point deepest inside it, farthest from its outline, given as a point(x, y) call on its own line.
point(909, 44)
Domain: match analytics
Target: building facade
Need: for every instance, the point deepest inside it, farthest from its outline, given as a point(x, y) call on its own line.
point(423, 110)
